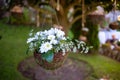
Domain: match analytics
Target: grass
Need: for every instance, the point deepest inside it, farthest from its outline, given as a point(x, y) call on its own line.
point(103, 66)
point(13, 48)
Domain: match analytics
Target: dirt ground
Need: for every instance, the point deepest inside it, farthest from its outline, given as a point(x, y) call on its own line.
point(70, 70)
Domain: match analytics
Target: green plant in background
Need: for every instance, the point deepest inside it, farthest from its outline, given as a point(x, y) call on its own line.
point(16, 18)
point(21, 18)
point(26, 16)
point(92, 34)
point(76, 29)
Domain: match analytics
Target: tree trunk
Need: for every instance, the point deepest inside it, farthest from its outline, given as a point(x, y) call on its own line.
point(63, 21)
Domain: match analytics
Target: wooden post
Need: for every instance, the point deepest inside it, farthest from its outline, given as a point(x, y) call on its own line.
point(58, 5)
point(83, 13)
point(37, 19)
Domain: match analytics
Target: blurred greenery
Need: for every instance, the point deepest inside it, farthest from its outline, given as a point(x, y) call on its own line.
point(93, 34)
point(21, 18)
point(12, 50)
point(102, 65)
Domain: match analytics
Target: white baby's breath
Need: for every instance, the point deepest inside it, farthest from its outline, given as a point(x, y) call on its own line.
point(30, 39)
point(54, 42)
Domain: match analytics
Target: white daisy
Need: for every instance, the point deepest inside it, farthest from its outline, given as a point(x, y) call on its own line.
point(45, 47)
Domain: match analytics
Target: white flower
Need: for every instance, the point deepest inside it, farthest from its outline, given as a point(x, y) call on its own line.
point(63, 38)
point(45, 47)
point(30, 34)
point(38, 33)
point(46, 33)
point(30, 40)
point(54, 42)
point(31, 46)
point(59, 33)
point(51, 31)
point(51, 37)
point(36, 37)
point(43, 33)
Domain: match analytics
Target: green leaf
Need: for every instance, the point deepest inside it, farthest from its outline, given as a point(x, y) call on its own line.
point(27, 50)
point(48, 56)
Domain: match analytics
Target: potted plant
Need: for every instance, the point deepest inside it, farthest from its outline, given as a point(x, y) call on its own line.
point(50, 47)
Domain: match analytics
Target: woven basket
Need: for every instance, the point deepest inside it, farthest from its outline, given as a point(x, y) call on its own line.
point(57, 62)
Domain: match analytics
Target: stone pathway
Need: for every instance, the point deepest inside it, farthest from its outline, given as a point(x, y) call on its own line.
point(70, 70)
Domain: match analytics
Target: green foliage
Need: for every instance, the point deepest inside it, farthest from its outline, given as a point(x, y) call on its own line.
point(26, 15)
point(21, 18)
point(76, 29)
point(92, 34)
point(16, 18)
point(70, 34)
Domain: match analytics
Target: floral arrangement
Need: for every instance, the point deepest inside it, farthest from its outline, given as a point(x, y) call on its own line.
point(49, 42)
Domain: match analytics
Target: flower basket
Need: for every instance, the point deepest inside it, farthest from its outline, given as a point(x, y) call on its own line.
point(57, 62)
point(51, 47)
